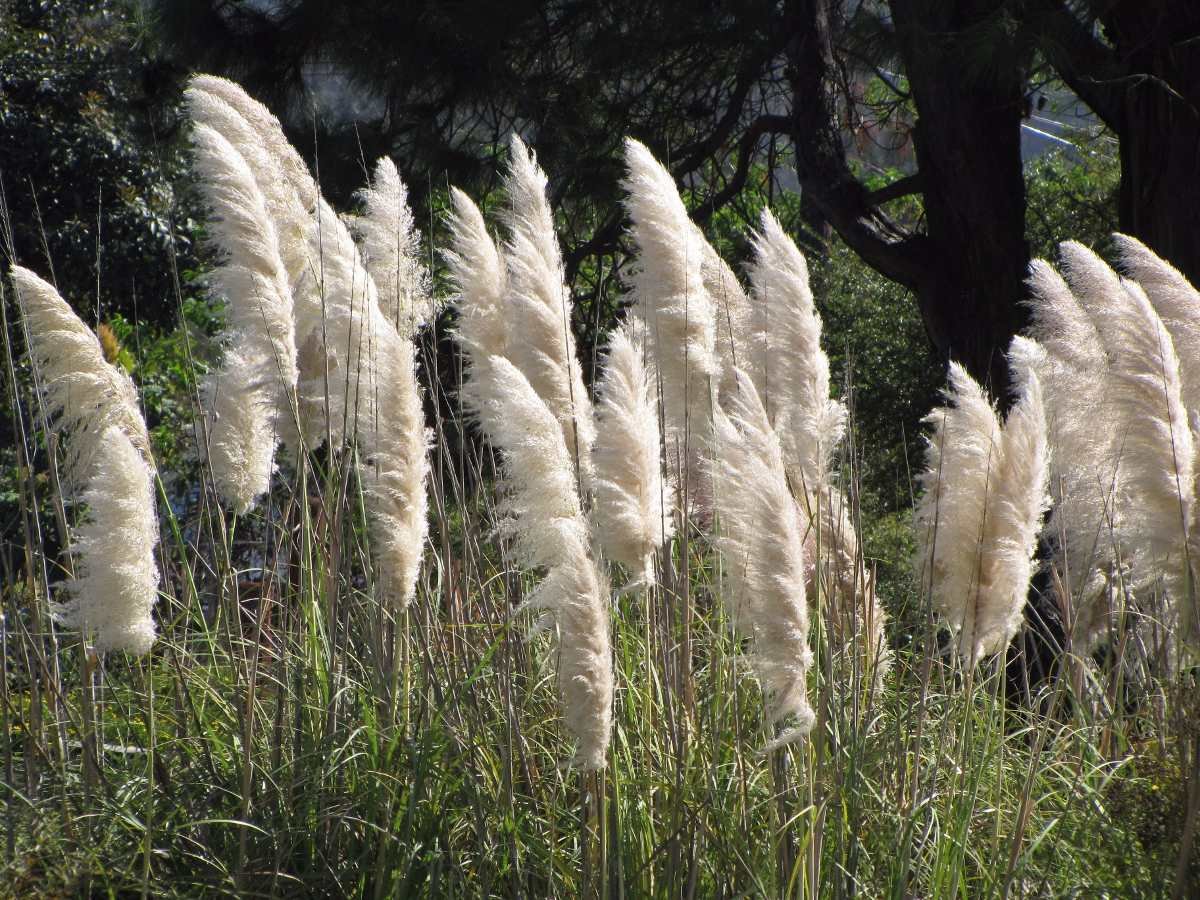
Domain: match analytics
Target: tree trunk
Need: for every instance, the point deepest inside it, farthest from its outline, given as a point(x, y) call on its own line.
point(1158, 123)
point(967, 78)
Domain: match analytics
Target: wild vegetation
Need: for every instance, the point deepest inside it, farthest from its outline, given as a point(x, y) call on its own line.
point(292, 649)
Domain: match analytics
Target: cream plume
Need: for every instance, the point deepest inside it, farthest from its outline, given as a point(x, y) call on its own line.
point(761, 542)
point(286, 210)
point(834, 568)
point(810, 424)
point(1083, 468)
point(546, 518)
point(480, 284)
point(336, 353)
point(116, 584)
point(736, 323)
point(477, 271)
point(396, 451)
point(240, 433)
point(1177, 304)
point(792, 372)
point(83, 393)
point(1153, 438)
point(671, 298)
point(392, 247)
point(633, 502)
point(287, 161)
point(1017, 500)
point(259, 376)
point(540, 306)
point(977, 521)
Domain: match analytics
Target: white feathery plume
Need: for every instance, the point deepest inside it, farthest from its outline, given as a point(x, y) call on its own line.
point(1153, 438)
point(1017, 500)
point(834, 568)
point(736, 325)
point(240, 430)
point(337, 383)
point(761, 543)
point(1083, 467)
point(83, 392)
point(288, 213)
point(396, 456)
point(287, 161)
point(792, 372)
point(547, 520)
point(480, 283)
point(1177, 304)
point(292, 198)
point(540, 306)
point(116, 583)
point(671, 298)
point(985, 491)
point(962, 457)
point(392, 246)
point(259, 374)
point(809, 422)
point(633, 503)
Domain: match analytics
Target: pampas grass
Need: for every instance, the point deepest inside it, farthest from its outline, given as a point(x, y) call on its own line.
point(791, 373)
point(288, 163)
point(1019, 499)
point(761, 542)
point(795, 370)
point(984, 491)
point(736, 319)
point(250, 398)
point(539, 307)
point(1084, 469)
point(633, 503)
point(116, 581)
point(1153, 439)
point(288, 213)
point(1177, 304)
point(480, 282)
point(542, 506)
point(82, 392)
point(337, 379)
point(391, 246)
point(396, 452)
point(671, 298)
point(546, 519)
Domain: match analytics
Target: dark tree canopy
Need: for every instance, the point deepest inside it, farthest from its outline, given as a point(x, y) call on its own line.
point(86, 162)
point(714, 87)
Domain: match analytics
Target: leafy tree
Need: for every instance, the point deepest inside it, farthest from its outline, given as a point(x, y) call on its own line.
point(1137, 66)
point(89, 156)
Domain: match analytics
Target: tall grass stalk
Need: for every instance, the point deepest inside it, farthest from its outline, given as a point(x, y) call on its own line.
point(290, 733)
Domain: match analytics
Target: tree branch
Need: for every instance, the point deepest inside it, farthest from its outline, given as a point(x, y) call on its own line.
point(1090, 68)
point(764, 124)
point(901, 187)
point(821, 163)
